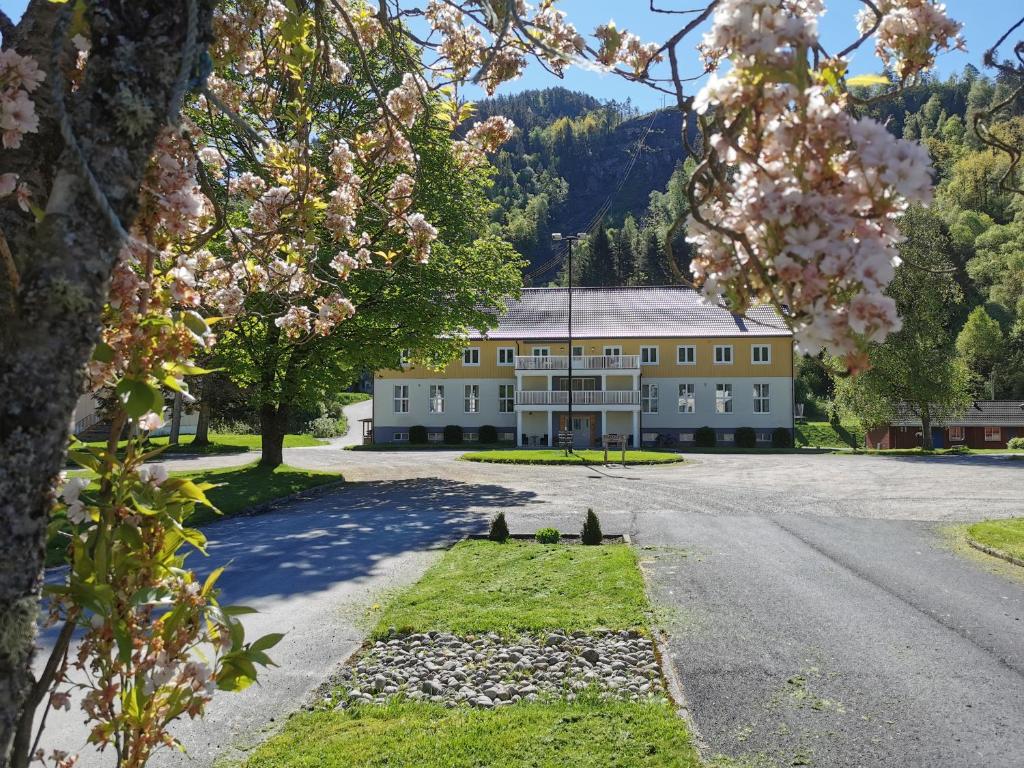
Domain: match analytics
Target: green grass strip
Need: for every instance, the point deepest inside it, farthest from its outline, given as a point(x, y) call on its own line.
point(481, 586)
point(1004, 535)
point(576, 457)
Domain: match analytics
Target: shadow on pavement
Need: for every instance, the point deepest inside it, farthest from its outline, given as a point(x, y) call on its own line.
point(342, 536)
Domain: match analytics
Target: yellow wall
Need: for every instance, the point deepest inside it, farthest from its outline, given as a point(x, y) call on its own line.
point(780, 365)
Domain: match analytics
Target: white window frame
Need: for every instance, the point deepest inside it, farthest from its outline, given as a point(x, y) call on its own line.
point(690, 396)
point(436, 398)
point(649, 398)
point(686, 437)
point(762, 397)
point(993, 434)
point(471, 437)
point(541, 351)
point(404, 357)
point(471, 399)
point(767, 357)
point(400, 437)
point(468, 355)
point(720, 353)
point(435, 437)
point(400, 398)
point(645, 351)
point(580, 353)
point(956, 434)
point(511, 351)
point(692, 354)
point(506, 402)
point(613, 351)
point(723, 405)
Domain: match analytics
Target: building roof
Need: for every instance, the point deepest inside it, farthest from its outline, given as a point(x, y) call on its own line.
point(982, 413)
point(638, 312)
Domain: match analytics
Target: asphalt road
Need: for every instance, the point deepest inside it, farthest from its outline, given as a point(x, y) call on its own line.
point(819, 614)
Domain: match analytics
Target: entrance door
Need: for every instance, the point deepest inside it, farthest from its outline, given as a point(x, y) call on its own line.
point(581, 431)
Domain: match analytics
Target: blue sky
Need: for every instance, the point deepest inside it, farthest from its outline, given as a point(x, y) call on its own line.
point(984, 21)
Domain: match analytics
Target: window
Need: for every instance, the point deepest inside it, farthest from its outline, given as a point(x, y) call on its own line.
point(577, 351)
point(506, 355)
point(760, 354)
point(723, 398)
point(612, 351)
point(435, 437)
point(437, 398)
point(728, 437)
point(686, 355)
point(686, 437)
point(648, 355)
point(956, 433)
point(762, 399)
point(508, 437)
point(400, 436)
point(993, 434)
point(723, 354)
point(471, 356)
point(687, 398)
point(506, 398)
point(401, 398)
point(764, 437)
point(471, 437)
point(541, 351)
point(649, 398)
point(472, 398)
point(404, 357)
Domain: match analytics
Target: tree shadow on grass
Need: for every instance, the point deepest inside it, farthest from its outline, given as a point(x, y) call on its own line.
point(342, 536)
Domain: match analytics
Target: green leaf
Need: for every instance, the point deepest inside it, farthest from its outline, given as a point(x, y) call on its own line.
point(139, 397)
point(266, 642)
point(195, 323)
point(103, 352)
point(867, 80)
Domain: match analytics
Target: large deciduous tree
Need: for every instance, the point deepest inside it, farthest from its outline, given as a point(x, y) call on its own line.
point(916, 370)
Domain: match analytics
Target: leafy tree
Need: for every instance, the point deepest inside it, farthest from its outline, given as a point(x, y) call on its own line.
point(981, 346)
point(915, 369)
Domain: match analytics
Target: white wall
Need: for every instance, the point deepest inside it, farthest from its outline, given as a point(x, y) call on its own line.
point(668, 415)
point(454, 407)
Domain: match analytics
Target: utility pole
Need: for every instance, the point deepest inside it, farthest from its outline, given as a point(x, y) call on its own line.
point(570, 239)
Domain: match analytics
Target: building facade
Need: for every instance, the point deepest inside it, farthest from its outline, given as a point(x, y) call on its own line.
point(651, 364)
point(986, 424)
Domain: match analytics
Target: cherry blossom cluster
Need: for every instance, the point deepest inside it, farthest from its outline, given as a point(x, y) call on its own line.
point(19, 77)
point(797, 201)
point(909, 33)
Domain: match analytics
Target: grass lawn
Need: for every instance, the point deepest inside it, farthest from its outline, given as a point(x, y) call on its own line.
point(821, 434)
point(223, 442)
point(244, 487)
point(481, 586)
point(556, 456)
point(349, 398)
point(1005, 535)
point(553, 735)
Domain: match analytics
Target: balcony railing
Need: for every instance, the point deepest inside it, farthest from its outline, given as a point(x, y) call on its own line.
point(583, 397)
point(579, 362)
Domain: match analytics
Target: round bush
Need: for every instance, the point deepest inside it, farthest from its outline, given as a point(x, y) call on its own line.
point(1015, 443)
point(781, 438)
point(704, 437)
point(418, 435)
point(746, 437)
point(324, 426)
point(488, 434)
point(453, 434)
point(548, 536)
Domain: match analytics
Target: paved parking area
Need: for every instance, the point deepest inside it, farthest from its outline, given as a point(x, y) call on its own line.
point(819, 613)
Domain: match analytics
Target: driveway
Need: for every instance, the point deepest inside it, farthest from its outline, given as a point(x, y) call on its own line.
point(819, 614)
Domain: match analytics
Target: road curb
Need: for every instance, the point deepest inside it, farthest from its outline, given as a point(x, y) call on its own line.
point(995, 552)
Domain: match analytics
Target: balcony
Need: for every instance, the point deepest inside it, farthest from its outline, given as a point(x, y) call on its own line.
point(560, 397)
point(579, 362)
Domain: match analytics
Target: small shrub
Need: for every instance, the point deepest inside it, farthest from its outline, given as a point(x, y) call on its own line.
point(746, 437)
point(488, 434)
point(418, 435)
point(1015, 443)
point(548, 536)
point(453, 434)
point(781, 438)
point(499, 529)
point(324, 426)
point(591, 533)
point(704, 437)
point(959, 449)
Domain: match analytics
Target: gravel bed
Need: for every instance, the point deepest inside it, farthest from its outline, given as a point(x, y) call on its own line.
point(487, 671)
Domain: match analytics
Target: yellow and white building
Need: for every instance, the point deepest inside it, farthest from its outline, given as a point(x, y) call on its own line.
point(651, 363)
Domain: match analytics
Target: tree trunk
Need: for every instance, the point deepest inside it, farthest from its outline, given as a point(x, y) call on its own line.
point(55, 284)
point(175, 420)
point(926, 429)
point(202, 437)
point(273, 425)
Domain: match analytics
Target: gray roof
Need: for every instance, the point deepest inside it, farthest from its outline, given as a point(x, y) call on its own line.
point(639, 312)
point(982, 413)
